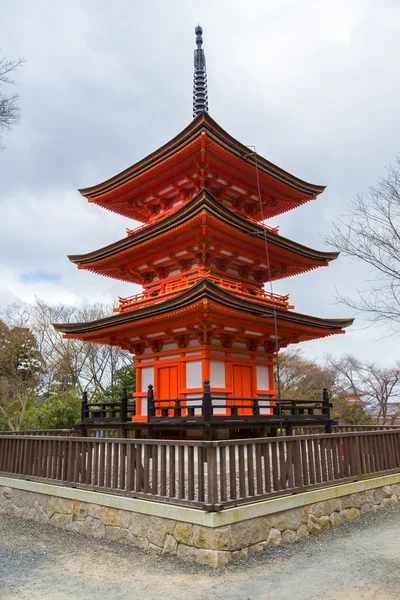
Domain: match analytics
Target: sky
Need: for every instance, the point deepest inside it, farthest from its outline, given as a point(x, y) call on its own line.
point(312, 84)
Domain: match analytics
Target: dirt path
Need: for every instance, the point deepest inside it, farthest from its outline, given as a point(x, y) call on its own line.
point(359, 561)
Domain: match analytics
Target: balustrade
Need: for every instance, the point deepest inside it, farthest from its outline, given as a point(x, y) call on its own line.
point(149, 297)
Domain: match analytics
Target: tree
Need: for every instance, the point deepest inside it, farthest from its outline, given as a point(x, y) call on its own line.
point(375, 388)
point(67, 367)
point(9, 110)
point(303, 378)
point(58, 410)
point(349, 411)
point(125, 377)
point(371, 234)
point(21, 370)
point(69, 363)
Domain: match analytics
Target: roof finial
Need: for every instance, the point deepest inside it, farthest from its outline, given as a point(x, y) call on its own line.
point(200, 97)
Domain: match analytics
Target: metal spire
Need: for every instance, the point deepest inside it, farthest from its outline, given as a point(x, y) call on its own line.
point(200, 96)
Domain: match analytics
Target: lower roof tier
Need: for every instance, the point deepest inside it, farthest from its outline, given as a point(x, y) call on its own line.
point(206, 313)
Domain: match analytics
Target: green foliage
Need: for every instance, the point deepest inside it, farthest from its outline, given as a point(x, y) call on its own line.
point(60, 410)
point(349, 413)
point(21, 371)
point(125, 377)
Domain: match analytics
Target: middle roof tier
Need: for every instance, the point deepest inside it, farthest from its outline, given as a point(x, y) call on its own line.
point(203, 233)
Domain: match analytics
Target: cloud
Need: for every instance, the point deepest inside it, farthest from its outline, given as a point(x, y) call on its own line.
point(313, 85)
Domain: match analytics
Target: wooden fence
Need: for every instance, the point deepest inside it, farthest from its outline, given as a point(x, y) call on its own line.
point(208, 475)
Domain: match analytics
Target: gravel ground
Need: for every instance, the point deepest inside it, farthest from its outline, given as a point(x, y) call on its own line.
point(357, 561)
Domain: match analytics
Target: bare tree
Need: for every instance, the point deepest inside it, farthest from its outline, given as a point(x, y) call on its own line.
point(9, 110)
point(69, 363)
point(371, 234)
point(301, 377)
point(374, 388)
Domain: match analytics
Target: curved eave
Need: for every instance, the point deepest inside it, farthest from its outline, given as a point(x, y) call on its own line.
point(204, 290)
point(202, 123)
point(97, 260)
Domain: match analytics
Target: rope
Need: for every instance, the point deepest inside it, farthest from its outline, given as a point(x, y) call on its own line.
point(278, 379)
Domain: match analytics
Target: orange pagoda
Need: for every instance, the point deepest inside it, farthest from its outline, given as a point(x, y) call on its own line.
point(204, 331)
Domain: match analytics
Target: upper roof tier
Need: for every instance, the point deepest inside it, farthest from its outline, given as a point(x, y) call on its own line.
point(203, 155)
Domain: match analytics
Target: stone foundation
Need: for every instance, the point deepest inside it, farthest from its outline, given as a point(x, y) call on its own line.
point(213, 539)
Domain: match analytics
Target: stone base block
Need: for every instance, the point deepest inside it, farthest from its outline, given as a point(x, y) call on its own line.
point(212, 539)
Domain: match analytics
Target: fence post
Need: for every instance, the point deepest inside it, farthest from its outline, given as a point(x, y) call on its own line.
point(326, 409)
point(124, 405)
point(212, 495)
point(256, 407)
point(207, 409)
point(206, 402)
point(325, 401)
point(84, 407)
point(177, 408)
point(150, 402)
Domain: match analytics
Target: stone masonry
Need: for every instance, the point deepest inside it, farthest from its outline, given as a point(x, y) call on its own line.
point(213, 546)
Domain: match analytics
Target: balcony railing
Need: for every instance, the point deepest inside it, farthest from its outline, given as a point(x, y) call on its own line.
point(150, 297)
point(166, 212)
point(208, 409)
point(110, 411)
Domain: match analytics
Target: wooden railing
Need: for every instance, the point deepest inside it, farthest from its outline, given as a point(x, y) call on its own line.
point(213, 409)
point(208, 475)
point(344, 428)
point(243, 290)
point(107, 411)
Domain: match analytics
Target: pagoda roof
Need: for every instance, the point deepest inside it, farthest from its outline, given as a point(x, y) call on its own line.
point(204, 293)
point(100, 260)
point(125, 193)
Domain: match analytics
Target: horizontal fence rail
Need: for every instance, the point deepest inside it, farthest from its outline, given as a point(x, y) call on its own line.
point(318, 429)
point(209, 475)
point(52, 432)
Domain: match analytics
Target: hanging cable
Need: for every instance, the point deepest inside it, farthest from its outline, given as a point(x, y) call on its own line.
point(278, 379)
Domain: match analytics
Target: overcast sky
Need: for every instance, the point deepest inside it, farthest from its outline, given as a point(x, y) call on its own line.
point(313, 84)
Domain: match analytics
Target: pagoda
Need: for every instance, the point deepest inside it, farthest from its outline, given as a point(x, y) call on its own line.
point(203, 255)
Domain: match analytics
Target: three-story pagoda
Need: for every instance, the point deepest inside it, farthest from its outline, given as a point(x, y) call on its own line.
point(203, 256)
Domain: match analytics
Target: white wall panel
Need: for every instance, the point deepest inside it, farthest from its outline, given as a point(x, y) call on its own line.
point(262, 377)
point(216, 403)
point(217, 373)
point(193, 343)
point(193, 374)
point(170, 347)
point(264, 403)
point(147, 379)
point(194, 399)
